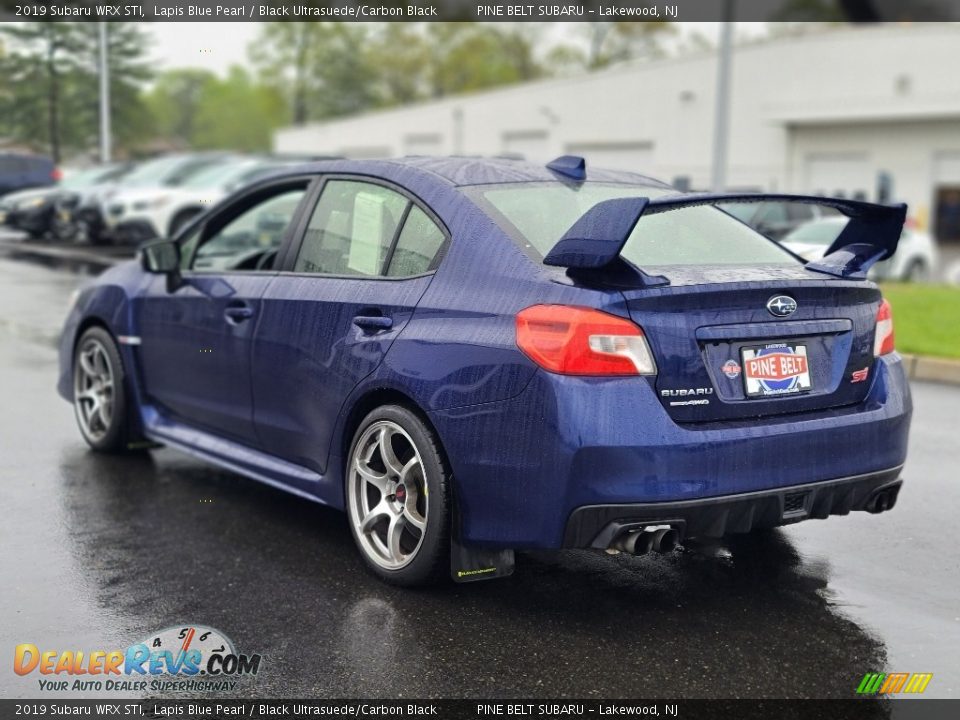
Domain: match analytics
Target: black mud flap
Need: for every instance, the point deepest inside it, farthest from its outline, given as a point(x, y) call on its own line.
point(470, 564)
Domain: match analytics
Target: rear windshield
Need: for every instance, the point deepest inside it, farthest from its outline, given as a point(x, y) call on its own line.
point(816, 233)
point(538, 214)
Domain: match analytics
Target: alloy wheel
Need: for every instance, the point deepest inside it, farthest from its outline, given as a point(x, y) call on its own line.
point(93, 390)
point(387, 492)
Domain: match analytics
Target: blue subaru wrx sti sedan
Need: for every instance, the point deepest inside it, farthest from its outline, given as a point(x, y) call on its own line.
point(472, 356)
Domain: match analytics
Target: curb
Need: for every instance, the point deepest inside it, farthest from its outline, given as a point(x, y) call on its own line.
point(922, 367)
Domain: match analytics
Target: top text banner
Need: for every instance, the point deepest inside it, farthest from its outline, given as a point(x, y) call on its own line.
point(491, 11)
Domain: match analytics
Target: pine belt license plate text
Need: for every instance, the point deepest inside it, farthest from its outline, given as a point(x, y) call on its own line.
point(775, 369)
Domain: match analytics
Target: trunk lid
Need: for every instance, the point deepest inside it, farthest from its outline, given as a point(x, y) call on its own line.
point(711, 327)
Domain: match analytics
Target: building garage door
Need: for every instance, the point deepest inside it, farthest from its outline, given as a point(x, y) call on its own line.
point(946, 188)
point(839, 175)
point(634, 156)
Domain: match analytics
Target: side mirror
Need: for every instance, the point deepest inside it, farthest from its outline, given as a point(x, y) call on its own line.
point(162, 257)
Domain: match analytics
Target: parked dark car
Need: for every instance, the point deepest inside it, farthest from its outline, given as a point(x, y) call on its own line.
point(19, 171)
point(47, 212)
point(475, 355)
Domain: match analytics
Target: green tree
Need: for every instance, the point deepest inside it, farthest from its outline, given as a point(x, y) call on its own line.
point(203, 111)
point(611, 42)
point(130, 70)
point(472, 56)
point(255, 111)
point(176, 100)
point(400, 55)
point(52, 72)
point(40, 68)
point(322, 68)
point(331, 69)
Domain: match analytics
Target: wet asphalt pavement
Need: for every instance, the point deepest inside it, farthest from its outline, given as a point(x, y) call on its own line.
point(99, 551)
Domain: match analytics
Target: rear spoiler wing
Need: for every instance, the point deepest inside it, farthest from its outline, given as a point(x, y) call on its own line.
point(596, 240)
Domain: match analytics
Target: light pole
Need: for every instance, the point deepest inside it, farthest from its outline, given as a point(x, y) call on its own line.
point(105, 141)
point(721, 120)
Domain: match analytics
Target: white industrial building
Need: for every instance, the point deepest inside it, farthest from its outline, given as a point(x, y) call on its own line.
point(819, 113)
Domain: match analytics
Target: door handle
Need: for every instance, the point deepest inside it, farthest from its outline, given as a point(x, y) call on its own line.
point(238, 313)
point(373, 323)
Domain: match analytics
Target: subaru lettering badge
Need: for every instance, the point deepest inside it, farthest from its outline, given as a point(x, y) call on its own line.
point(781, 305)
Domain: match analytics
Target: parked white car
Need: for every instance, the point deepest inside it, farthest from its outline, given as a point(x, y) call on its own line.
point(162, 212)
point(914, 261)
point(143, 205)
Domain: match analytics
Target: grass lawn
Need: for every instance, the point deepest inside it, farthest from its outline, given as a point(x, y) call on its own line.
point(926, 318)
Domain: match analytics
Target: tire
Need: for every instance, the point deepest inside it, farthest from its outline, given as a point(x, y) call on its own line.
point(63, 231)
point(916, 272)
point(386, 527)
point(93, 234)
point(100, 399)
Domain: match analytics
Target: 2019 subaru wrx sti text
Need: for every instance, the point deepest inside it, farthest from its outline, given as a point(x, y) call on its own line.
point(472, 356)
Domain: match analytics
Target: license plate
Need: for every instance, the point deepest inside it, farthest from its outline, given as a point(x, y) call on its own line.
point(3, 217)
point(64, 215)
point(775, 369)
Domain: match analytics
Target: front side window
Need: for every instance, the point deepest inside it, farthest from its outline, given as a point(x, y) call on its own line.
point(538, 214)
point(248, 241)
point(356, 230)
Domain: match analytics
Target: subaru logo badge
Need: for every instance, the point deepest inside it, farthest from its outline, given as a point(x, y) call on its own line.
point(781, 305)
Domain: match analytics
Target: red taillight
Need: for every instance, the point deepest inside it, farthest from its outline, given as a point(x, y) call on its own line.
point(580, 341)
point(883, 339)
point(56, 174)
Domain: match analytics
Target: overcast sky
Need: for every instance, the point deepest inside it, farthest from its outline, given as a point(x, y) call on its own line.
point(216, 46)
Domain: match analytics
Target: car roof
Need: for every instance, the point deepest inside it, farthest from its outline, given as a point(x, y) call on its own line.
point(466, 170)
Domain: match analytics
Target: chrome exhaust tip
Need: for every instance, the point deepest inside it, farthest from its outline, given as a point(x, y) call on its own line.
point(634, 543)
point(662, 539)
point(665, 540)
point(884, 500)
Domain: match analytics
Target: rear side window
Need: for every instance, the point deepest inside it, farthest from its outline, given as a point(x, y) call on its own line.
point(363, 229)
point(539, 215)
point(418, 245)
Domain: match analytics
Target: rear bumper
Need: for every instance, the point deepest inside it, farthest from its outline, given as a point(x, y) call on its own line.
point(596, 526)
point(524, 466)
